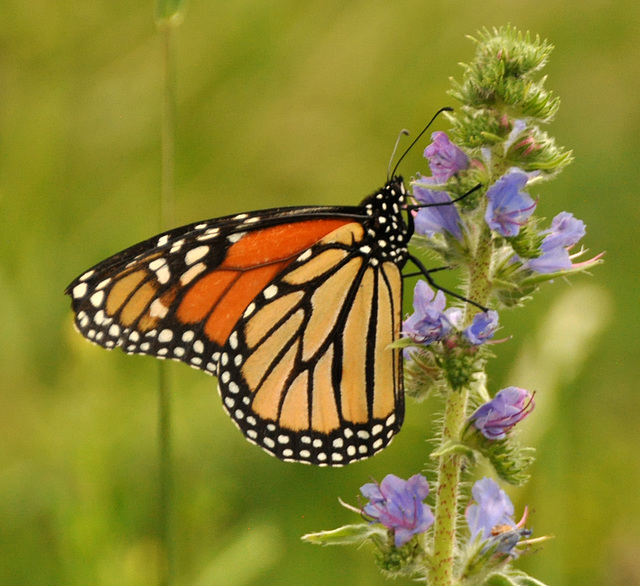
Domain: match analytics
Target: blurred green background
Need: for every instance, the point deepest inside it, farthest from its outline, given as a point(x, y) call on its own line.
point(281, 103)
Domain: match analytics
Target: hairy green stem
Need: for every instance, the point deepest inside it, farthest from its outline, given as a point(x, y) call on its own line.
point(447, 495)
point(449, 468)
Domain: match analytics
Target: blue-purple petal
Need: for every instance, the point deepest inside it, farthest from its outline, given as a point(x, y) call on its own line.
point(508, 206)
point(483, 327)
point(445, 158)
point(398, 505)
point(429, 322)
point(436, 219)
point(496, 417)
point(492, 507)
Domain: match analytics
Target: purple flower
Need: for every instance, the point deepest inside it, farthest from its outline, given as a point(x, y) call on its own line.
point(430, 321)
point(493, 508)
point(398, 505)
point(509, 207)
point(445, 158)
point(565, 231)
point(483, 327)
point(439, 218)
point(492, 518)
point(499, 415)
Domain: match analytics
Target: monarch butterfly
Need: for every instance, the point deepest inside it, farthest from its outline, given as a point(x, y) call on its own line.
point(293, 309)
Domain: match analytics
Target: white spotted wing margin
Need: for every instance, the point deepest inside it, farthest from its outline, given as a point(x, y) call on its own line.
point(307, 374)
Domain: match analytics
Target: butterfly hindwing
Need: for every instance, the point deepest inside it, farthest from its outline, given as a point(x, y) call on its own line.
point(307, 373)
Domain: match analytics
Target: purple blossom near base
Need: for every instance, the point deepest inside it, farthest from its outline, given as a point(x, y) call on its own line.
point(508, 206)
point(496, 417)
point(398, 505)
point(430, 321)
point(491, 518)
point(436, 219)
point(483, 327)
point(565, 232)
point(492, 508)
point(445, 158)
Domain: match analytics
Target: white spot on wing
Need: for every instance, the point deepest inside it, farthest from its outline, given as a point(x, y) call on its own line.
point(79, 290)
point(305, 255)
point(176, 246)
point(192, 273)
point(163, 274)
point(209, 234)
point(158, 309)
point(233, 238)
point(270, 291)
point(195, 254)
point(165, 336)
point(97, 298)
point(157, 263)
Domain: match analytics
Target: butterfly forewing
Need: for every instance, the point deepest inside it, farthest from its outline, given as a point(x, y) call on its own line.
point(293, 308)
point(179, 294)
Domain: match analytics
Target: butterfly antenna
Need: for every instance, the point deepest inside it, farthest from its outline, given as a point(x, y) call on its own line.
point(403, 132)
point(417, 138)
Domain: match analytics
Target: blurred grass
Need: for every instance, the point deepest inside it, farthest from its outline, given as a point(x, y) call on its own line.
point(284, 103)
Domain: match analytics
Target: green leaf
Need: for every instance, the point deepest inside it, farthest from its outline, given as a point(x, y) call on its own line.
point(499, 580)
point(511, 578)
point(346, 535)
point(522, 579)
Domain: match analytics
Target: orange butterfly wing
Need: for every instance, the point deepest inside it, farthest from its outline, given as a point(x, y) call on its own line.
point(292, 308)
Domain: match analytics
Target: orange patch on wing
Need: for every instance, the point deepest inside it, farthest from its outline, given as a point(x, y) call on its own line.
point(137, 303)
point(122, 290)
point(201, 298)
point(231, 306)
point(388, 330)
point(324, 411)
point(295, 408)
point(278, 242)
point(266, 401)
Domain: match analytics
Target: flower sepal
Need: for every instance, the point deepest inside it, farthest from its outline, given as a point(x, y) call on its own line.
point(486, 566)
point(454, 449)
point(509, 459)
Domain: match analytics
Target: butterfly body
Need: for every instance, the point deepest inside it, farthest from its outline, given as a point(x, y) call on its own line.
point(293, 309)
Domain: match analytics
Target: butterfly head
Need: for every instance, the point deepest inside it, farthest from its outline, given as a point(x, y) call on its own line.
point(388, 229)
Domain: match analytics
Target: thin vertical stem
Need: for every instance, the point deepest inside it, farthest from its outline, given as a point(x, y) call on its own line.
point(449, 468)
point(447, 496)
point(168, 125)
point(166, 548)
